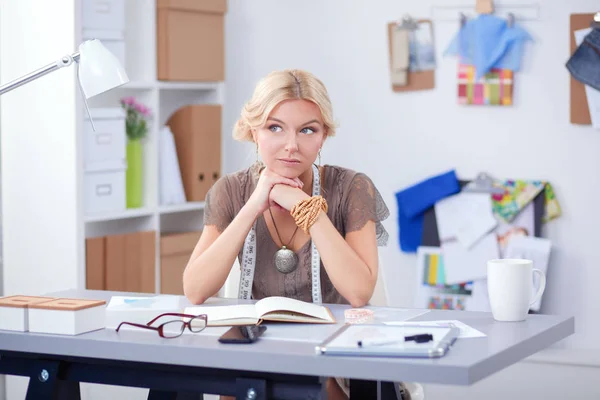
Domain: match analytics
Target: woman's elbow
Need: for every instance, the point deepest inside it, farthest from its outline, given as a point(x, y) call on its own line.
point(359, 300)
point(193, 297)
point(358, 303)
point(192, 292)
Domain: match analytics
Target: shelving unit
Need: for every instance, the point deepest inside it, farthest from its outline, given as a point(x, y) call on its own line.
point(163, 98)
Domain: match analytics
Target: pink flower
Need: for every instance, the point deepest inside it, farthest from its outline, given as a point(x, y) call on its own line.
point(128, 101)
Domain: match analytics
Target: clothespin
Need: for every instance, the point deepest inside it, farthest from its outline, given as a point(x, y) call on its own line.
point(511, 20)
point(484, 6)
point(407, 23)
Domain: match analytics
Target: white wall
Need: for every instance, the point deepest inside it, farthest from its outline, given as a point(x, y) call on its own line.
point(399, 139)
point(39, 168)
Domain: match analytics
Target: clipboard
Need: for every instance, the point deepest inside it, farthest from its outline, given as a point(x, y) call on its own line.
point(417, 80)
point(344, 342)
point(579, 109)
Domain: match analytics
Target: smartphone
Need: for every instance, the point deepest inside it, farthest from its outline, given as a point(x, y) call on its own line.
point(243, 334)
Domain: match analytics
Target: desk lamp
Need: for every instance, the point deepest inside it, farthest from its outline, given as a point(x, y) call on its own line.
point(99, 71)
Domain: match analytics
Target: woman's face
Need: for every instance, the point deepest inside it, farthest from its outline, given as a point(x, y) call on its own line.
point(291, 138)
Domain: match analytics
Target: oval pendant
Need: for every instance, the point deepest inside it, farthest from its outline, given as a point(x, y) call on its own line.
point(285, 260)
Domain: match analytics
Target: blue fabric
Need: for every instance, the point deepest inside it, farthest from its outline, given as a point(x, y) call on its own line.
point(584, 64)
point(488, 42)
point(415, 200)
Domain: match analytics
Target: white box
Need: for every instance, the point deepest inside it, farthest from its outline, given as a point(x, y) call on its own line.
point(105, 148)
point(113, 40)
point(67, 316)
point(14, 311)
point(103, 14)
point(140, 310)
point(104, 191)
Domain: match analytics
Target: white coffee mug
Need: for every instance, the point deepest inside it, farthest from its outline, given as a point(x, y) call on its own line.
point(510, 288)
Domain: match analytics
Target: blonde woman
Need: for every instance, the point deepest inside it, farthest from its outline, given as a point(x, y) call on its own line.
point(299, 229)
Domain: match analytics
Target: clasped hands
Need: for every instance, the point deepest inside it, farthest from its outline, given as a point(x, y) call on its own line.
point(275, 190)
point(286, 196)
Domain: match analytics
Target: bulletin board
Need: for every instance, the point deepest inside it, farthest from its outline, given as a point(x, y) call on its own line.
point(463, 296)
point(430, 235)
point(580, 113)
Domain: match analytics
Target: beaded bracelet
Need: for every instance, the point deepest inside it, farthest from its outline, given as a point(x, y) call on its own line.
point(306, 211)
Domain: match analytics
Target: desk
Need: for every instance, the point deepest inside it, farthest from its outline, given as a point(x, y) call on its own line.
point(269, 368)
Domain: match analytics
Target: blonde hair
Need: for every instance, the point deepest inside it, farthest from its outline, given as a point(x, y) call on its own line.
point(288, 84)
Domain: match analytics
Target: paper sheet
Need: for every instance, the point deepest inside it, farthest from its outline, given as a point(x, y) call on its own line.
point(466, 331)
point(465, 265)
point(467, 217)
point(531, 248)
point(593, 95)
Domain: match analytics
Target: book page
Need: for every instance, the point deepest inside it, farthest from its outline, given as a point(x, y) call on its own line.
point(276, 303)
point(218, 315)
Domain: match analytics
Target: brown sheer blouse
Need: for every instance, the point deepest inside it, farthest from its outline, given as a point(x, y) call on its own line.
point(352, 199)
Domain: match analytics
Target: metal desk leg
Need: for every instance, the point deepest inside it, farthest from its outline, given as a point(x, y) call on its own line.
point(251, 389)
point(47, 384)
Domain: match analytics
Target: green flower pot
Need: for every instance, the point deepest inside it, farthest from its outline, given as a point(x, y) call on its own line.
point(134, 173)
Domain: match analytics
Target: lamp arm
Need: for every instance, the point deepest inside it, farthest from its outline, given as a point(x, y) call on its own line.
point(63, 62)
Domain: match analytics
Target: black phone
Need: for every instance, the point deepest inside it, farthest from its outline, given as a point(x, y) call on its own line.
point(243, 334)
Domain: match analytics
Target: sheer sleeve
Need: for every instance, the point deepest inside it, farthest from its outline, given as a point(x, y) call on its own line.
point(364, 203)
point(218, 209)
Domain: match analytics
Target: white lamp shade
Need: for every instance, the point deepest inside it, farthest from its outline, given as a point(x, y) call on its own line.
point(99, 69)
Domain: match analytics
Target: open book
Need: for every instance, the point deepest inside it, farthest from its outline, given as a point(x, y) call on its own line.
point(268, 309)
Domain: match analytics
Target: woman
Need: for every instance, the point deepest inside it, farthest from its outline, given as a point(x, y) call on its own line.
point(307, 232)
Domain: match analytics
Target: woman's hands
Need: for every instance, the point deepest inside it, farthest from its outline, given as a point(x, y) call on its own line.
point(260, 198)
point(286, 196)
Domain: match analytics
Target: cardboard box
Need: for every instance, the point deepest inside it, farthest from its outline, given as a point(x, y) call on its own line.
point(95, 263)
point(67, 316)
point(14, 311)
point(197, 133)
point(190, 40)
point(130, 262)
point(175, 252)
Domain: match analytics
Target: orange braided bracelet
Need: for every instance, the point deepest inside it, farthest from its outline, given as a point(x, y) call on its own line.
point(306, 211)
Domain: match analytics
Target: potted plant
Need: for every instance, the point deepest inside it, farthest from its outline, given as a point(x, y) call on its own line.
point(136, 127)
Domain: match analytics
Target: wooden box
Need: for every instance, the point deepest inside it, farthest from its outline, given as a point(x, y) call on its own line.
point(175, 252)
point(190, 40)
point(67, 316)
point(197, 133)
point(14, 311)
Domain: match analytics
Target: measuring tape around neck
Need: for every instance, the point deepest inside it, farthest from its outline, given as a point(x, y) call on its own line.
point(249, 256)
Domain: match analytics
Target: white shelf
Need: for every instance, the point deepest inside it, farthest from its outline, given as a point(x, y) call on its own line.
point(188, 85)
point(176, 208)
point(110, 216)
point(192, 86)
point(146, 212)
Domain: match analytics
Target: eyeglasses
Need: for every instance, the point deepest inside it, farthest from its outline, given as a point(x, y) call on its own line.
point(175, 327)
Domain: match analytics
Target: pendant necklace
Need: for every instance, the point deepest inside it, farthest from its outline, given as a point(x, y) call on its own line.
point(285, 260)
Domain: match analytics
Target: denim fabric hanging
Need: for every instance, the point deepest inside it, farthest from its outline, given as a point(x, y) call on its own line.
point(584, 64)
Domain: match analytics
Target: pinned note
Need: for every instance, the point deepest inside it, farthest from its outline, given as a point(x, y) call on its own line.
point(465, 217)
